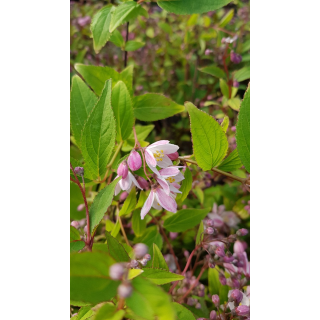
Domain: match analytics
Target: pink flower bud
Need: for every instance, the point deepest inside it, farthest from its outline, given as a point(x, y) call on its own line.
point(140, 250)
point(125, 290)
point(216, 300)
point(235, 57)
point(235, 283)
point(134, 160)
point(242, 232)
point(79, 171)
point(134, 264)
point(85, 229)
point(143, 262)
point(212, 265)
point(198, 306)
point(236, 295)
point(81, 207)
point(233, 128)
point(222, 279)
point(173, 156)
point(213, 315)
point(209, 223)
point(173, 235)
point(147, 257)
point(228, 257)
point(143, 183)
point(238, 247)
point(123, 196)
point(220, 252)
point(209, 230)
point(116, 271)
point(75, 224)
point(123, 169)
point(243, 310)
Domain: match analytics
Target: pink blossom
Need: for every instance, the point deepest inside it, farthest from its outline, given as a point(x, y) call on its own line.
point(134, 160)
point(123, 169)
point(126, 184)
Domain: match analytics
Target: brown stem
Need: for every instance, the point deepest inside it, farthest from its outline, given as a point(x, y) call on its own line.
point(123, 232)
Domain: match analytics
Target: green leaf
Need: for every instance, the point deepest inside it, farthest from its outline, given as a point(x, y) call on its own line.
point(155, 106)
point(126, 76)
point(199, 193)
point(243, 131)
point(138, 225)
point(191, 6)
point(224, 88)
point(109, 312)
point(99, 133)
point(232, 162)
point(214, 71)
point(225, 123)
point(134, 273)
point(123, 111)
point(185, 219)
point(160, 276)
point(133, 45)
point(85, 313)
point(129, 203)
point(210, 143)
point(226, 19)
point(125, 12)
point(158, 260)
point(150, 301)
point(116, 229)
point(186, 186)
point(142, 199)
point(117, 39)
point(116, 249)
point(101, 204)
point(234, 103)
point(76, 246)
point(74, 234)
point(82, 101)
point(142, 133)
point(182, 312)
point(200, 233)
point(242, 74)
point(76, 199)
point(89, 277)
point(213, 280)
point(100, 27)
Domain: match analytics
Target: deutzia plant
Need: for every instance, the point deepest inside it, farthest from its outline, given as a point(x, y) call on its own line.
point(160, 182)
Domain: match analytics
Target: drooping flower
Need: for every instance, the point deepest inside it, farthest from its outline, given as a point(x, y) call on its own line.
point(157, 154)
point(134, 160)
point(220, 217)
point(168, 178)
point(126, 184)
point(123, 170)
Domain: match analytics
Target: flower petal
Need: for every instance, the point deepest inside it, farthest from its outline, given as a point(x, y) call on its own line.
point(156, 205)
point(134, 180)
point(174, 189)
point(166, 201)
point(151, 161)
point(166, 162)
point(166, 148)
point(169, 172)
point(164, 184)
point(147, 205)
point(125, 183)
point(160, 142)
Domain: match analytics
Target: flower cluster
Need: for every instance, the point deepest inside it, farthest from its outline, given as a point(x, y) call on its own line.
point(165, 176)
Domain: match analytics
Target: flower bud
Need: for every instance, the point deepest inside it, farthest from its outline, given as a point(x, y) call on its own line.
point(85, 229)
point(228, 257)
point(220, 252)
point(116, 271)
point(238, 247)
point(242, 232)
point(147, 257)
point(144, 262)
point(134, 264)
point(213, 315)
point(75, 224)
point(222, 279)
point(236, 295)
point(81, 207)
point(243, 310)
point(212, 265)
point(209, 230)
point(191, 301)
point(209, 223)
point(140, 250)
point(125, 290)
point(173, 235)
point(235, 84)
point(173, 156)
point(123, 196)
point(198, 306)
point(235, 283)
point(134, 160)
point(208, 51)
point(235, 57)
point(143, 183)
point(216, 300)
point(79, 171)
point(123, 169)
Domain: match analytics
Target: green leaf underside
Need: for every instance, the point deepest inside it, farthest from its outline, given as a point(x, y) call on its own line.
point(185, 219)
point(182, 312)
point(243, 131)
point(116, 249)
point(232, 162)
point(186, 186)
point(98, 136)
point(210, 143)
point(123, 111)
point(125, 12)
point(192, 6)
point(214, 71)
point(100, 27)
point(82, 101)
point(89, 277)
point(96, 76)
point(160, 276)
point(101, 203)
point(150, 301)
point(158, 260)
point(155, 106)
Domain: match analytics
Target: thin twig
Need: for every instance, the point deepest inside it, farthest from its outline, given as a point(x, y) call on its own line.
point(123, 232)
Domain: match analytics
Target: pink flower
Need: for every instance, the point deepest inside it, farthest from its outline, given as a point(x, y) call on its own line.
point(134, 160)
point(158, 199)
point(243, 310)
point(123, 169)
point(168, 178)
point(126, 184)
point(156, 154)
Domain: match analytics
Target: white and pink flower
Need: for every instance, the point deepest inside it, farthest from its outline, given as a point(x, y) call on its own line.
point(126, 184)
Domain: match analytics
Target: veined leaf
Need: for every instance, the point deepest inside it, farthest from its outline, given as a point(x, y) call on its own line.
point(242, 74)
point(210, 143)
point(232, 162)
point(123, 111)
point(226, 19)
point(138, 225)
point(98, 136)
point(158, 260)
point(224, 88)
point(214, 71)
point(243, 131)
point(185, 219)
point(116, 250)
point(186, 186)
point(89, 277)
point(101, 204)
point(200, 233)
point(191, 6)
point(160, 276)
point(117, 39)
point(76, 246)
point(82, 101)
point(225, 123)
point(183, 313)
point(85, 313)
point(129, 203)
point(234, 103)
point(154, 106)
point(110, 312)
point(100, 27)
point(125, 12)
point(126, 76)
point(133, 45)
